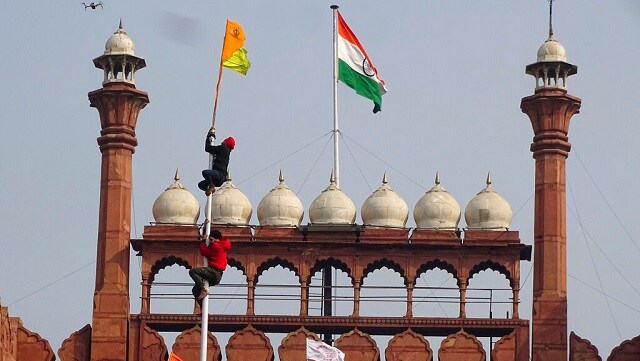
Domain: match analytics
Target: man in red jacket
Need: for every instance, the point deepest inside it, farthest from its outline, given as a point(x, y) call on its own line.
point(216, 255)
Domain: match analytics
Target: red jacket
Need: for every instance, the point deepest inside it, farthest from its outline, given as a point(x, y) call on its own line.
point(216, 253)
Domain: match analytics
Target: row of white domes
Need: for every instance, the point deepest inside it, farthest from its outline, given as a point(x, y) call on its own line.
point(437, 209)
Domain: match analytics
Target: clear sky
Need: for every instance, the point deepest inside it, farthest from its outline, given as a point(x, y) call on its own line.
point(455, 73)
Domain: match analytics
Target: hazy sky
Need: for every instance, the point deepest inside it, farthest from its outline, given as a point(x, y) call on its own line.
point(455, 73)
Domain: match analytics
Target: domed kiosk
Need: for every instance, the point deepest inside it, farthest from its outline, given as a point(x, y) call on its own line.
point(385, 208)
point(176, 205)
point(488, 210)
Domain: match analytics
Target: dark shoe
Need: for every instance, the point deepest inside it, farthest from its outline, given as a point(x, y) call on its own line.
point(203, 185)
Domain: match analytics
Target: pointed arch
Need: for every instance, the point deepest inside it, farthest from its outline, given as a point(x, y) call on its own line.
point(167, 262)
point(273, 262)
point(494, 266)
point(436, 263)
point(232, 262)
point(330, 262)
point(384, 262)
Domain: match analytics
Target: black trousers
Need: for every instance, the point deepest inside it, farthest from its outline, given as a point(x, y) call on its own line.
point(211, 176)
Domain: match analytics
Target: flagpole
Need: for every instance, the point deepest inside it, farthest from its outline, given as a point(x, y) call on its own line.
point(327, 279)
point(204, 328)
point(215, 102)
point(336, 153)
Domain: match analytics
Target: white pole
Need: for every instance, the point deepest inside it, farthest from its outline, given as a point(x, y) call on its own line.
point(336, 153)
point(204, 328)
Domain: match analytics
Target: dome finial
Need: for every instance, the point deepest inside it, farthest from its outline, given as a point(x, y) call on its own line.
point(120, 25)
point(281, 176)
point(489, 178)
point(437, 177)
point(229, 175)
point(384, 178)
point(550, 17)
point(177, 176)
point(332, 178)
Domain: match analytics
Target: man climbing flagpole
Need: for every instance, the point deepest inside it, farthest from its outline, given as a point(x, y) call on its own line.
point(234, 57)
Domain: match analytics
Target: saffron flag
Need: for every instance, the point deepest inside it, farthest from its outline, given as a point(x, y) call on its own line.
point(234, 56)
point(355, 68)
point(320, 351)
point(174, 357)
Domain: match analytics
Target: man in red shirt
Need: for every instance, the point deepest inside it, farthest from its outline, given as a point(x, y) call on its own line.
point(216, 255)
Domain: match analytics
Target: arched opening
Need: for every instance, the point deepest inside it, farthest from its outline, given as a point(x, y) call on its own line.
point(171, 290)
point(277, 292)
point(341, 295)
point(230, 296)
point(436, 294)
point(383, 289)
point(489, 295)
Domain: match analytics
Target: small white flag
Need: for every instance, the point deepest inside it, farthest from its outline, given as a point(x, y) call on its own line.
point(320, 351)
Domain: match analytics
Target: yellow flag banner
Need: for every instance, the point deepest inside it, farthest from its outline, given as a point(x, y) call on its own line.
point(238, 62)
point(233, 40)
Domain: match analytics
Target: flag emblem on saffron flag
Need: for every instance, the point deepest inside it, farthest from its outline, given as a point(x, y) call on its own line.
point(355, 68)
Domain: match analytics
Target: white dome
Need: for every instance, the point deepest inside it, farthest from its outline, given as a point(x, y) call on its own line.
point(488, 210)
point(280, 207)
point(552, 50)
point(385, 208)
point(176, 205)
point(119, 43)
point(230, 206)
point(437, 209)
point(332, 206)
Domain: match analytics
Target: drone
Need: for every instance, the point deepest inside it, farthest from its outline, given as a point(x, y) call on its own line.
point(93, 5)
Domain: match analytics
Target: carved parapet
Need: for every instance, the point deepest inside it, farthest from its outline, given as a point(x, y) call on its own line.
point(461, 346)
point(581, 349)
point(294, 345)
point(152, 347)
point(505, 349)
point(249, 344)
point(77, 347)
point(187, 345)
point(32, 347)
point(358, 346)
point(7, 336)
point(408, 346)
point(435, 237)
point(628, 350)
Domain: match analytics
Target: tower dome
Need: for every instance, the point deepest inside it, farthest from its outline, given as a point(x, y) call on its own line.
point(552, 50)
point(551, 69)
point(488, 210)
point(280, 207)
point(176, 205)
point(119, 43)
point(437, 209)
point(332, 206)
point(385, 208)
point(230, 206)
point(119, 61)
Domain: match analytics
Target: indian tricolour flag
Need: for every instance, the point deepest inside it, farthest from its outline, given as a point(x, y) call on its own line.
point(355, 67)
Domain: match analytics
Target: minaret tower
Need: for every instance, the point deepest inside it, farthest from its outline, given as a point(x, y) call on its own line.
point(550, 110)
point(118, 102)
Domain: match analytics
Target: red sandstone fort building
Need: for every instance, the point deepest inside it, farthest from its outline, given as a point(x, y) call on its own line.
point(331, 239)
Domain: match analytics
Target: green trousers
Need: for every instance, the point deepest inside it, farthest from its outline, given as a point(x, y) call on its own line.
point(200, 274)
